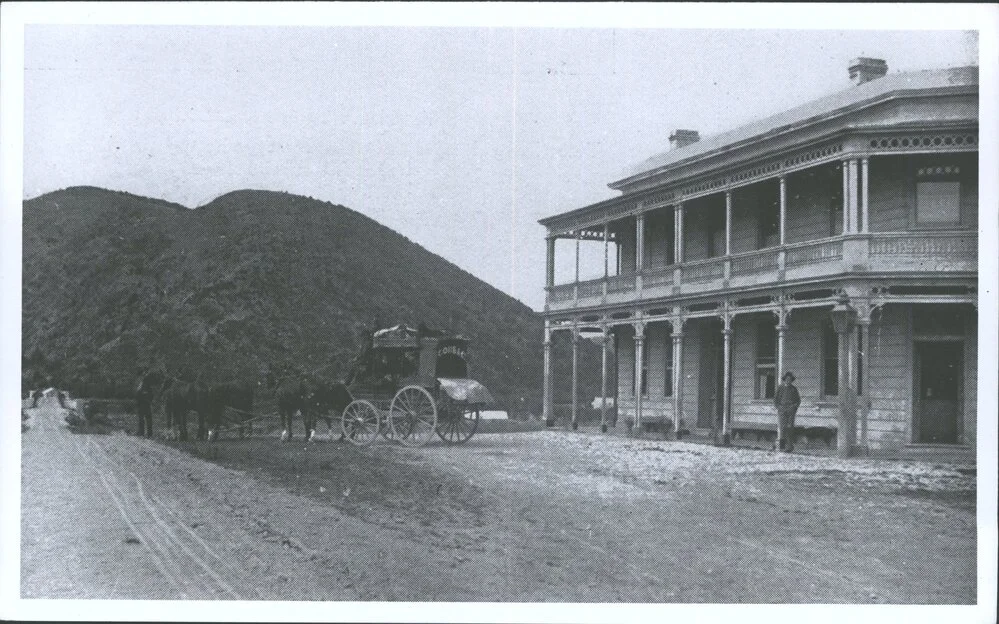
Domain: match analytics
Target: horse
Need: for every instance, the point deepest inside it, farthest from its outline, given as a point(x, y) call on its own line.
point(239, 396)
point(323, 400)
point(180, 397)
point(289, 393)
point(236, 395)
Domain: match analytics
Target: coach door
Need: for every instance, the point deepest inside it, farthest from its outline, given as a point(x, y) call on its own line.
point(937, 383)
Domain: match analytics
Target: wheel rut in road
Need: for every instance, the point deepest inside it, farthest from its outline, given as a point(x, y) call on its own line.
point(193, 568)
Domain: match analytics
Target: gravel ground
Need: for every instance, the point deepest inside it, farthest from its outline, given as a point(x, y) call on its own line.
point(542, 516)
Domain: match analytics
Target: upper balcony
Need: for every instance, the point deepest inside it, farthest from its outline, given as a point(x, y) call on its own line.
point(904, 215)
point(857, 254)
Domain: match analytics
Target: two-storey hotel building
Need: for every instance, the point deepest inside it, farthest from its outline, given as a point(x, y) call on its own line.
point(837, 240)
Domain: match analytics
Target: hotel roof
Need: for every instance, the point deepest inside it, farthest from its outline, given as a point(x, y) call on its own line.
point(801, 115)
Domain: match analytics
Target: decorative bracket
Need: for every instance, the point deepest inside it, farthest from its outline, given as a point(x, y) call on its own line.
point(678, 320)
point(726, 312)
point(782, 310)
point(878, 298)
point(864, 310)
point(639, 330)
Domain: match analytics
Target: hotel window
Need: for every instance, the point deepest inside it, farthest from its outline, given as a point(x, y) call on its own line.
point(766, 360)
point(938, 195)
point(668, 384)
point(830, 361)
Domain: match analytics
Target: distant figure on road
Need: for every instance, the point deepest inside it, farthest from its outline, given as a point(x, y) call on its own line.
point(786, 400)
point(144, 406)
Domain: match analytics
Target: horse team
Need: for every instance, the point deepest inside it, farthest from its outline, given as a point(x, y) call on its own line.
point(312, 398)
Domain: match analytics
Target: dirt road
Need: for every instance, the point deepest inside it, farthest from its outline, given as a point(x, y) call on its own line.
point(545, 516)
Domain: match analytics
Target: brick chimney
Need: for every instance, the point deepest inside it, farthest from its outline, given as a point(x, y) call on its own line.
point(864, 69)
point(683, 138)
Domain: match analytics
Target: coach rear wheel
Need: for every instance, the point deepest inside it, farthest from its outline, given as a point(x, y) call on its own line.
point(360, 423)
point(457, 422)
point(413, 416)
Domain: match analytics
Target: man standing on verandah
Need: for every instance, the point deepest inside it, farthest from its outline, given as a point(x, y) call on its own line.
point(786, 400)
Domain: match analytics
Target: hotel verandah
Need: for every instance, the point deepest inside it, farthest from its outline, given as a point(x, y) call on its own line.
point(724, 260)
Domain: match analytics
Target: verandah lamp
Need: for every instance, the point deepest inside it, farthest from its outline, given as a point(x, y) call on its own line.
point(844, 317)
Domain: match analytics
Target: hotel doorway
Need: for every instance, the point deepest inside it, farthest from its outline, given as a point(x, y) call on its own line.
point(937, 378)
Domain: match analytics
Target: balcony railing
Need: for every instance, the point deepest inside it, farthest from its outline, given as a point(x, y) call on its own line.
point(880, 252)
point(963, 246)
point(924, 251)
point(812, 252)
point(657, 277)
point(704, 270)
point(621, 283)
point(755, 262)
point(562, 292)
point(591, 288)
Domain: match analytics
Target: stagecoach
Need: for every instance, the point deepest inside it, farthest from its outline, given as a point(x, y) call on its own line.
point(410, 384)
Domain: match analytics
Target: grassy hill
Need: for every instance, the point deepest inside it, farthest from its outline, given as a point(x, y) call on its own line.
point(113, 282)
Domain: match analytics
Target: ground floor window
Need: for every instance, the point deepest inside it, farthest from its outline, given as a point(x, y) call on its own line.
point(766, 360)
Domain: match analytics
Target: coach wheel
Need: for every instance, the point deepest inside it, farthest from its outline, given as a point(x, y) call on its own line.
point(457, 422)
point(413, 416)
point(360, 423)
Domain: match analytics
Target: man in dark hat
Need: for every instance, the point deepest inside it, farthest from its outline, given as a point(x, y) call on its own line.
point(144, 404)
point(786, 400)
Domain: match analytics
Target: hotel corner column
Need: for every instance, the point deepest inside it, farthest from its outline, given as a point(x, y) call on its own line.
point(864, 211)
point(842, 435)
point(850, 203)
point(639, 249)
point(678, 247)
point(575, 283)
point(782, 314)
point(728, 223)
point(575, 376)
point(677, 380)
point(863, 325)
point(727, 377)
point(847, 425)
point(606, 251)
point(550, 262)
point(846, 197)
point(604, 347)
point(783, 209)
point(639, 364)
point(546, 407)
point(854, 199)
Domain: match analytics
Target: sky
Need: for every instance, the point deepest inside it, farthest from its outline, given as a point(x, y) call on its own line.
point(460, 138)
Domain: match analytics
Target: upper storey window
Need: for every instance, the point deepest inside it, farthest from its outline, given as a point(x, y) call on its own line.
point(938, 195)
